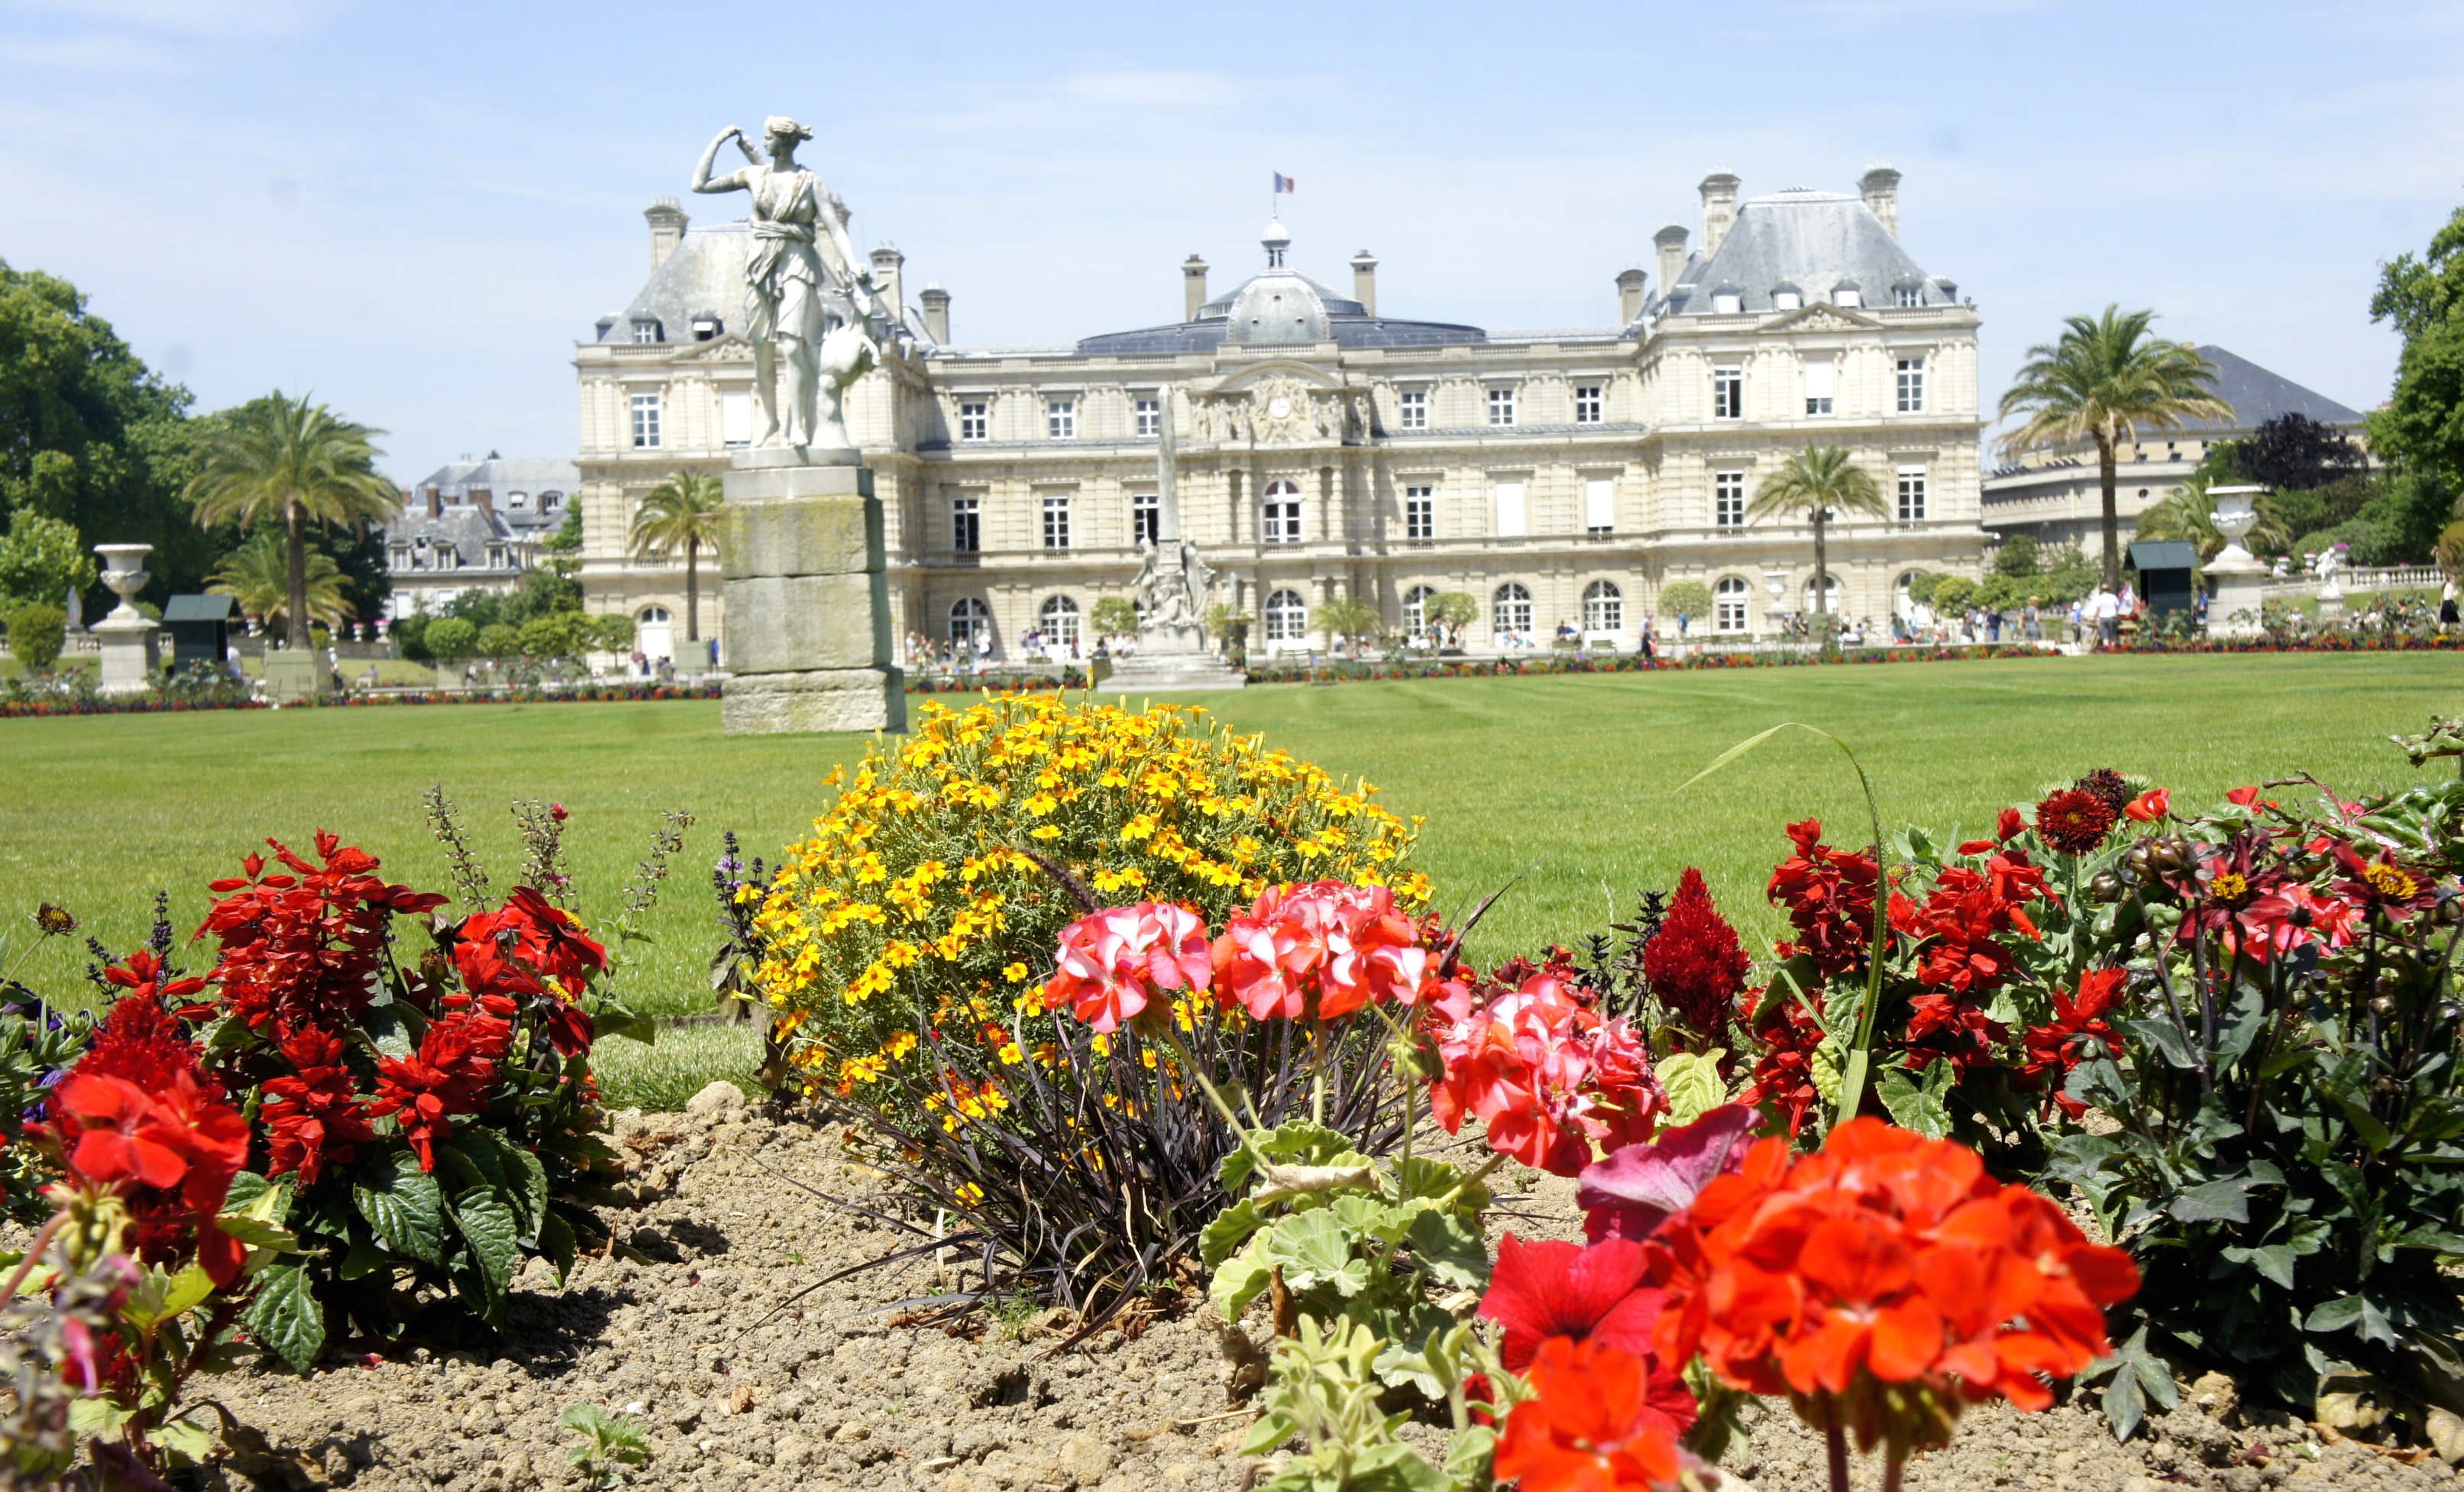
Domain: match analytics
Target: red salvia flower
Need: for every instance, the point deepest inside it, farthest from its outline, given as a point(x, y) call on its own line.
point(448, 1078)
point(313, 1114)
point(299, 948)
point(2076, 1032)
point(2074, 820)
point(1786, 1034)
point(1829, 895)
point(1590, 1425)
point(1694, 962)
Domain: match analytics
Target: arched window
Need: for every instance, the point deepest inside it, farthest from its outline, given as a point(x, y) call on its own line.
point(1830, 595)
point(653, 616)
point(1902, 603)
point(969, 618)
point(1416, 611)
point(1280, 513)
point(1059, 621)
point(1603, 607)
point(1510, 610)
point(1287, 617)
point(1728, 605)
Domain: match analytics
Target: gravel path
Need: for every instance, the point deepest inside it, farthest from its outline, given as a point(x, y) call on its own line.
point(833, 1394)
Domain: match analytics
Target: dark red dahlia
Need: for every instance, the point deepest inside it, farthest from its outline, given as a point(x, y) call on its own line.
point(2074, 820)
point(2107, 786)
point(1694, 962)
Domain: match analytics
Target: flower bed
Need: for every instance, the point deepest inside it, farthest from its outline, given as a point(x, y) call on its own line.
point(1336, 671)
point(2314, 642)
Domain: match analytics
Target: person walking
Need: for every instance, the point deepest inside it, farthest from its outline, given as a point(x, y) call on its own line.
point(2447, 616)
point(2105, 609)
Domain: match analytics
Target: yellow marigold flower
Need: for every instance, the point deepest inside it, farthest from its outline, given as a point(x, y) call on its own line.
point(1044, 832)
point(1013, 973)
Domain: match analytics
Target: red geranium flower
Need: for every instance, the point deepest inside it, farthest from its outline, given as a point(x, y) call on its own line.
point(2074, 820)
point(170, 1152)
point(1320, 951)
point(2150, 806)
point(1110, 965)
point(1694, 962)
point(1546, 1072)
point(1590, 1425)
point(1549, 1289)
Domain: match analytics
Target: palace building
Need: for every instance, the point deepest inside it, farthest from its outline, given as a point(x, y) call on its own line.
point(1324, 448)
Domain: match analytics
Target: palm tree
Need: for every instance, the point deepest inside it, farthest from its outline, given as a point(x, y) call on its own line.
point(296, 463)
point(2105, 380)
point(2189, 513)
point(1822, 481)
point(258, 574)
point(681, 512)
point(1349, 617)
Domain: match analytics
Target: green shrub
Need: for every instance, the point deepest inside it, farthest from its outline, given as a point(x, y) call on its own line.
point(500, 640)
point(2017, 557)
point(557, 634)
point(1685, 598)
point(1114, 617)
point(1923, 585)
point(410, 635)
point(1953, 593)
point(38, 631)
point(614, 631)
point(450, 638)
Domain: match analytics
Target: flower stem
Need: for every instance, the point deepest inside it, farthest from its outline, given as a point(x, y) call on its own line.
point(1834, 1441)
point(1891, 1470)
point(34, 1250)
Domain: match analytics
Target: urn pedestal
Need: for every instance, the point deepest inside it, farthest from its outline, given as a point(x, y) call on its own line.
point(806, 582)
point(2238, 580)
point(130, 641)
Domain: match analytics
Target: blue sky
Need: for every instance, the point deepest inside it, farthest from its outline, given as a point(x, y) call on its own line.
point(415, 210)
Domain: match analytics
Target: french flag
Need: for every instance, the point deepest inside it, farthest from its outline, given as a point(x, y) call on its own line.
point(1283, 184)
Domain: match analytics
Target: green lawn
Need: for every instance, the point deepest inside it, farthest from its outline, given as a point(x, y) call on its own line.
point(1569, 783)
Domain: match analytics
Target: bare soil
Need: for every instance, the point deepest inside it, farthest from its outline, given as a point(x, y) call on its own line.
point(738, 1387)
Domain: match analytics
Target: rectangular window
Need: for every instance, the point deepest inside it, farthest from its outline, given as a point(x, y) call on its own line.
point(1911, 375)
point(966, 525)
point(1419, 513)
point(1414, 406)
point(975, 420)
point(1587, 404)
point(1501, 406)
point(1283, 521)
point(645, 333)
point(1061, 419)
point(1728, 500)
point(735, 419)
point(1728, 393)
point(1729, 607)
point(645, 422)
point(1056, 521)
point(1145, 518)
point(1510, 510)
point(1910, 295)
point(1821, 385)
point(1150, 412)
point(1599, 505)
point(1912, 494)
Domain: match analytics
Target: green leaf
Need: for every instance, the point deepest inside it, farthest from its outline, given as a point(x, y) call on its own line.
point(362, 1261)
point(1692, 1080)
point(556, 1242)
point(613, 1018)
point(513, 1172)
point(1312, 1249)
point(1915, 1106)
point(2373, 1135)
point(2274, 1262)
point(1230, 1228)
point(1468, 1458)
point(1268, 1431)
point(1239, 1278)
point(285, 1317)
point(1451, 1249)
point(99, 1418)
point(487, 1222)
point(248, 1187)
point(404, 1206)
point(2166, 1039)
point(187, 1441)
point(2213, 1201)
point(392, 1035)
point(2335, 1315)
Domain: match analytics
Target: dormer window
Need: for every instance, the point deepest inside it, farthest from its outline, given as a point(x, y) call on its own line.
point(402, 556)
point(1787, 297)
point(1849, 294)
point(647, 331)
point(496, 556)
point(1727, 301)
point(706, 326)
point(551, 501)
point(518, 500)
point(1908, 294)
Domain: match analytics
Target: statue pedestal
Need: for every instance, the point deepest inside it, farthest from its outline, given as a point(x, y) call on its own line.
point(2233, 607)
point(132, 652)
point(293, 673)
point(1169, 665)
point(807, 630)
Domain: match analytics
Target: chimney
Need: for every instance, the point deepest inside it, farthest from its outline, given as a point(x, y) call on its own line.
point(1719, 210)
point(936, 314)
point(666, 228)
point(1671, 243)
point(887, 262)
point(1193, 287)
point(1881, 188)
point(485, 498)
point(1629, 296)
point(436, 503)
point(1364, 280)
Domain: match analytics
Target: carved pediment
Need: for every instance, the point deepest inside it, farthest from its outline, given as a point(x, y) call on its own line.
point(1823, 316)
point(726, 347)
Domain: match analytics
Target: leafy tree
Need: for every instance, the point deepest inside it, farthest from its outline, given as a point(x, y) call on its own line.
point(2293, 452)
point(38, 631)
point(409, 635)
point(450, 639)
point(1114, 617)
point(2103, 381)
point(2189, 513)
point(42, 558)
point(500, 640)
point(613, 631)
point(1820, 481)
point(290, 462)
point(1952, 593)
point(1685, 598)
point(88, 434)
point(1351, 619)
point(680, 513)
point(2017, 556)
point(567, 538)
point(1450, 611)
point(2422, 424)
point(557, 635)
point(257, 576)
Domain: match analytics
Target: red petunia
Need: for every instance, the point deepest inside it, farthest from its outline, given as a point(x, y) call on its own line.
point(1590, 1425)
point(1695, 964)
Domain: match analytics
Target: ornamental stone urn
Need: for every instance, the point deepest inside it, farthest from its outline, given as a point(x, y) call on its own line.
point(130, 641)
point(2238, 580)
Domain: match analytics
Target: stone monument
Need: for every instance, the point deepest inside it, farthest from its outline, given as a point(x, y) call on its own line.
point(2331, 591)
point(1176, 587)
point(131, 641)
point(806, 631)
point(2238, 578)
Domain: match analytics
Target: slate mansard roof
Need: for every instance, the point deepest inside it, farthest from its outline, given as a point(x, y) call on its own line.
point(501, 477)
point(703, 277)
point(2258, 396)
point(1812, 242)
point(466, 529)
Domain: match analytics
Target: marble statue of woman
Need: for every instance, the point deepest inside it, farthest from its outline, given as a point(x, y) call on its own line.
point(801, 281)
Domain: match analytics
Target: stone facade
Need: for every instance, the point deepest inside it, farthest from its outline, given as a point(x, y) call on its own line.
point(1323, 449)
